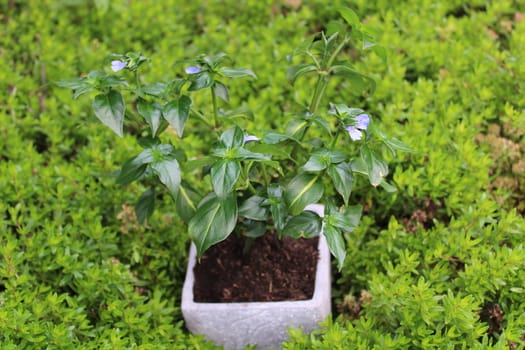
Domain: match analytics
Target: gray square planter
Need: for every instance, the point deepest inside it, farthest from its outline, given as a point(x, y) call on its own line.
point(234, 325)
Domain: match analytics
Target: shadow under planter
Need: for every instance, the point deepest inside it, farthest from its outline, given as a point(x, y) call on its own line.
point(235, 325)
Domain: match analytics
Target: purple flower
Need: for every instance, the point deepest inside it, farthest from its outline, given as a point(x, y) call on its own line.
point(118, 65)
point(361, 123)
point(251, 138)
point(316, 208)
point(192, 70)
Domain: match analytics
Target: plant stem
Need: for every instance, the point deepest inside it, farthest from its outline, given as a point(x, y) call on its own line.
point(334, 140)
point(137, 82)
point(201, 117)
point(320, 87)
point(215, 109)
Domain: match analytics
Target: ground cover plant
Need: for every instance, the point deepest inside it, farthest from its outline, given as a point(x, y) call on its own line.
point(438, 264)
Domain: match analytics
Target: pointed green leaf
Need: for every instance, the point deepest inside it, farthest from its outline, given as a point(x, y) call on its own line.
point(272, 138)
point(377, 168)
point(347, 220)
point(302, 190)
point(134, 168)
point(151, 112)
point(316, 162)
point(273, 150)
point(221, 91)
point(388, 187)
point(168, 171)
point(200, 81)
point(74, 84)
point(299, 70)
point(349, 16)
point(306, 224)
point(277, 207)
point(236, 72)
point(213, 221)
point(254, 209)
point(145, 206)
point(336, 244)
point(186, 202)
point(110, 108)
point(359, 81)
point(233, 137)
point(177, 112)
point(224, 174)
point(155, 89)
point(342, 179)
point(396, 145)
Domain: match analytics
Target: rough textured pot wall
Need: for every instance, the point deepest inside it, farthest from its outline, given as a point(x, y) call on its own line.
point(234, 325)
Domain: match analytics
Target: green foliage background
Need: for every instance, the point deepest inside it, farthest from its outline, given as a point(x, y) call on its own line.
point(438, 265)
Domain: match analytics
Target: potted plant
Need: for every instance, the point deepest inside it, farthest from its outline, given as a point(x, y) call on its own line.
point(286, 184)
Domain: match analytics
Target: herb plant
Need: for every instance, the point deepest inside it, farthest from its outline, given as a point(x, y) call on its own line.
point(296, 182)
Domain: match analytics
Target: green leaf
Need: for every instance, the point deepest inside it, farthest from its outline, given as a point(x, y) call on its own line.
point(306, 224)
point(342, 179)
point(273, 150)
point(302, 190)
point(224, 174)
point(145, 206)
point(277, 207)
point(177, 112)
point(73, 84)
point(213, 221)
point(253, 208)
point(241, 112)
point(322, 122)
point(200, 81)
point(236, 72)
point(377, 168)
point(296, 127)
point(336, 244)
point(317, 162)
point(388, 187)
point(233, 137)
point(359, 82)
point(273, 138)
point(193, 164)
point(299, 70)
point(152, 113)
point(155, 89)
point(168, 171)
point(350, 16)
point(304, 46)
point(221, 91)
point(110, 108)
point(244, 154)
point(186, 202)
point(381, 52)
point(348, 220)
point(396, 145)
point(131, 170)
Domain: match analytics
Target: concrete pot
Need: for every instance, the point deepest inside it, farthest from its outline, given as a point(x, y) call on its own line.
point(235, 325)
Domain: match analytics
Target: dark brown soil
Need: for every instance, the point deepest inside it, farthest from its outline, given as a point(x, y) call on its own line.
point(273, 270)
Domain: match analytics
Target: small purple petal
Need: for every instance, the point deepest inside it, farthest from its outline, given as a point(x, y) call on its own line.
point(118, 65)
point(354, 133)
point(251, 138)
point(362, 121)
point(316, 208)
point(192, 70)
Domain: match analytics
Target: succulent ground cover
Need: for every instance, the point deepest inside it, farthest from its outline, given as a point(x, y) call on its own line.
point(438, 264)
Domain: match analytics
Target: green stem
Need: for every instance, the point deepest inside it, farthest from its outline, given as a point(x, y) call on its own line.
point(201, 117)
point(137, 82)
point(334, 140)
point(320, 87)
point(215, 109)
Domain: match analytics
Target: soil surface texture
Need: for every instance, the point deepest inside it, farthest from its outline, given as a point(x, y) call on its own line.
point(273, 270)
